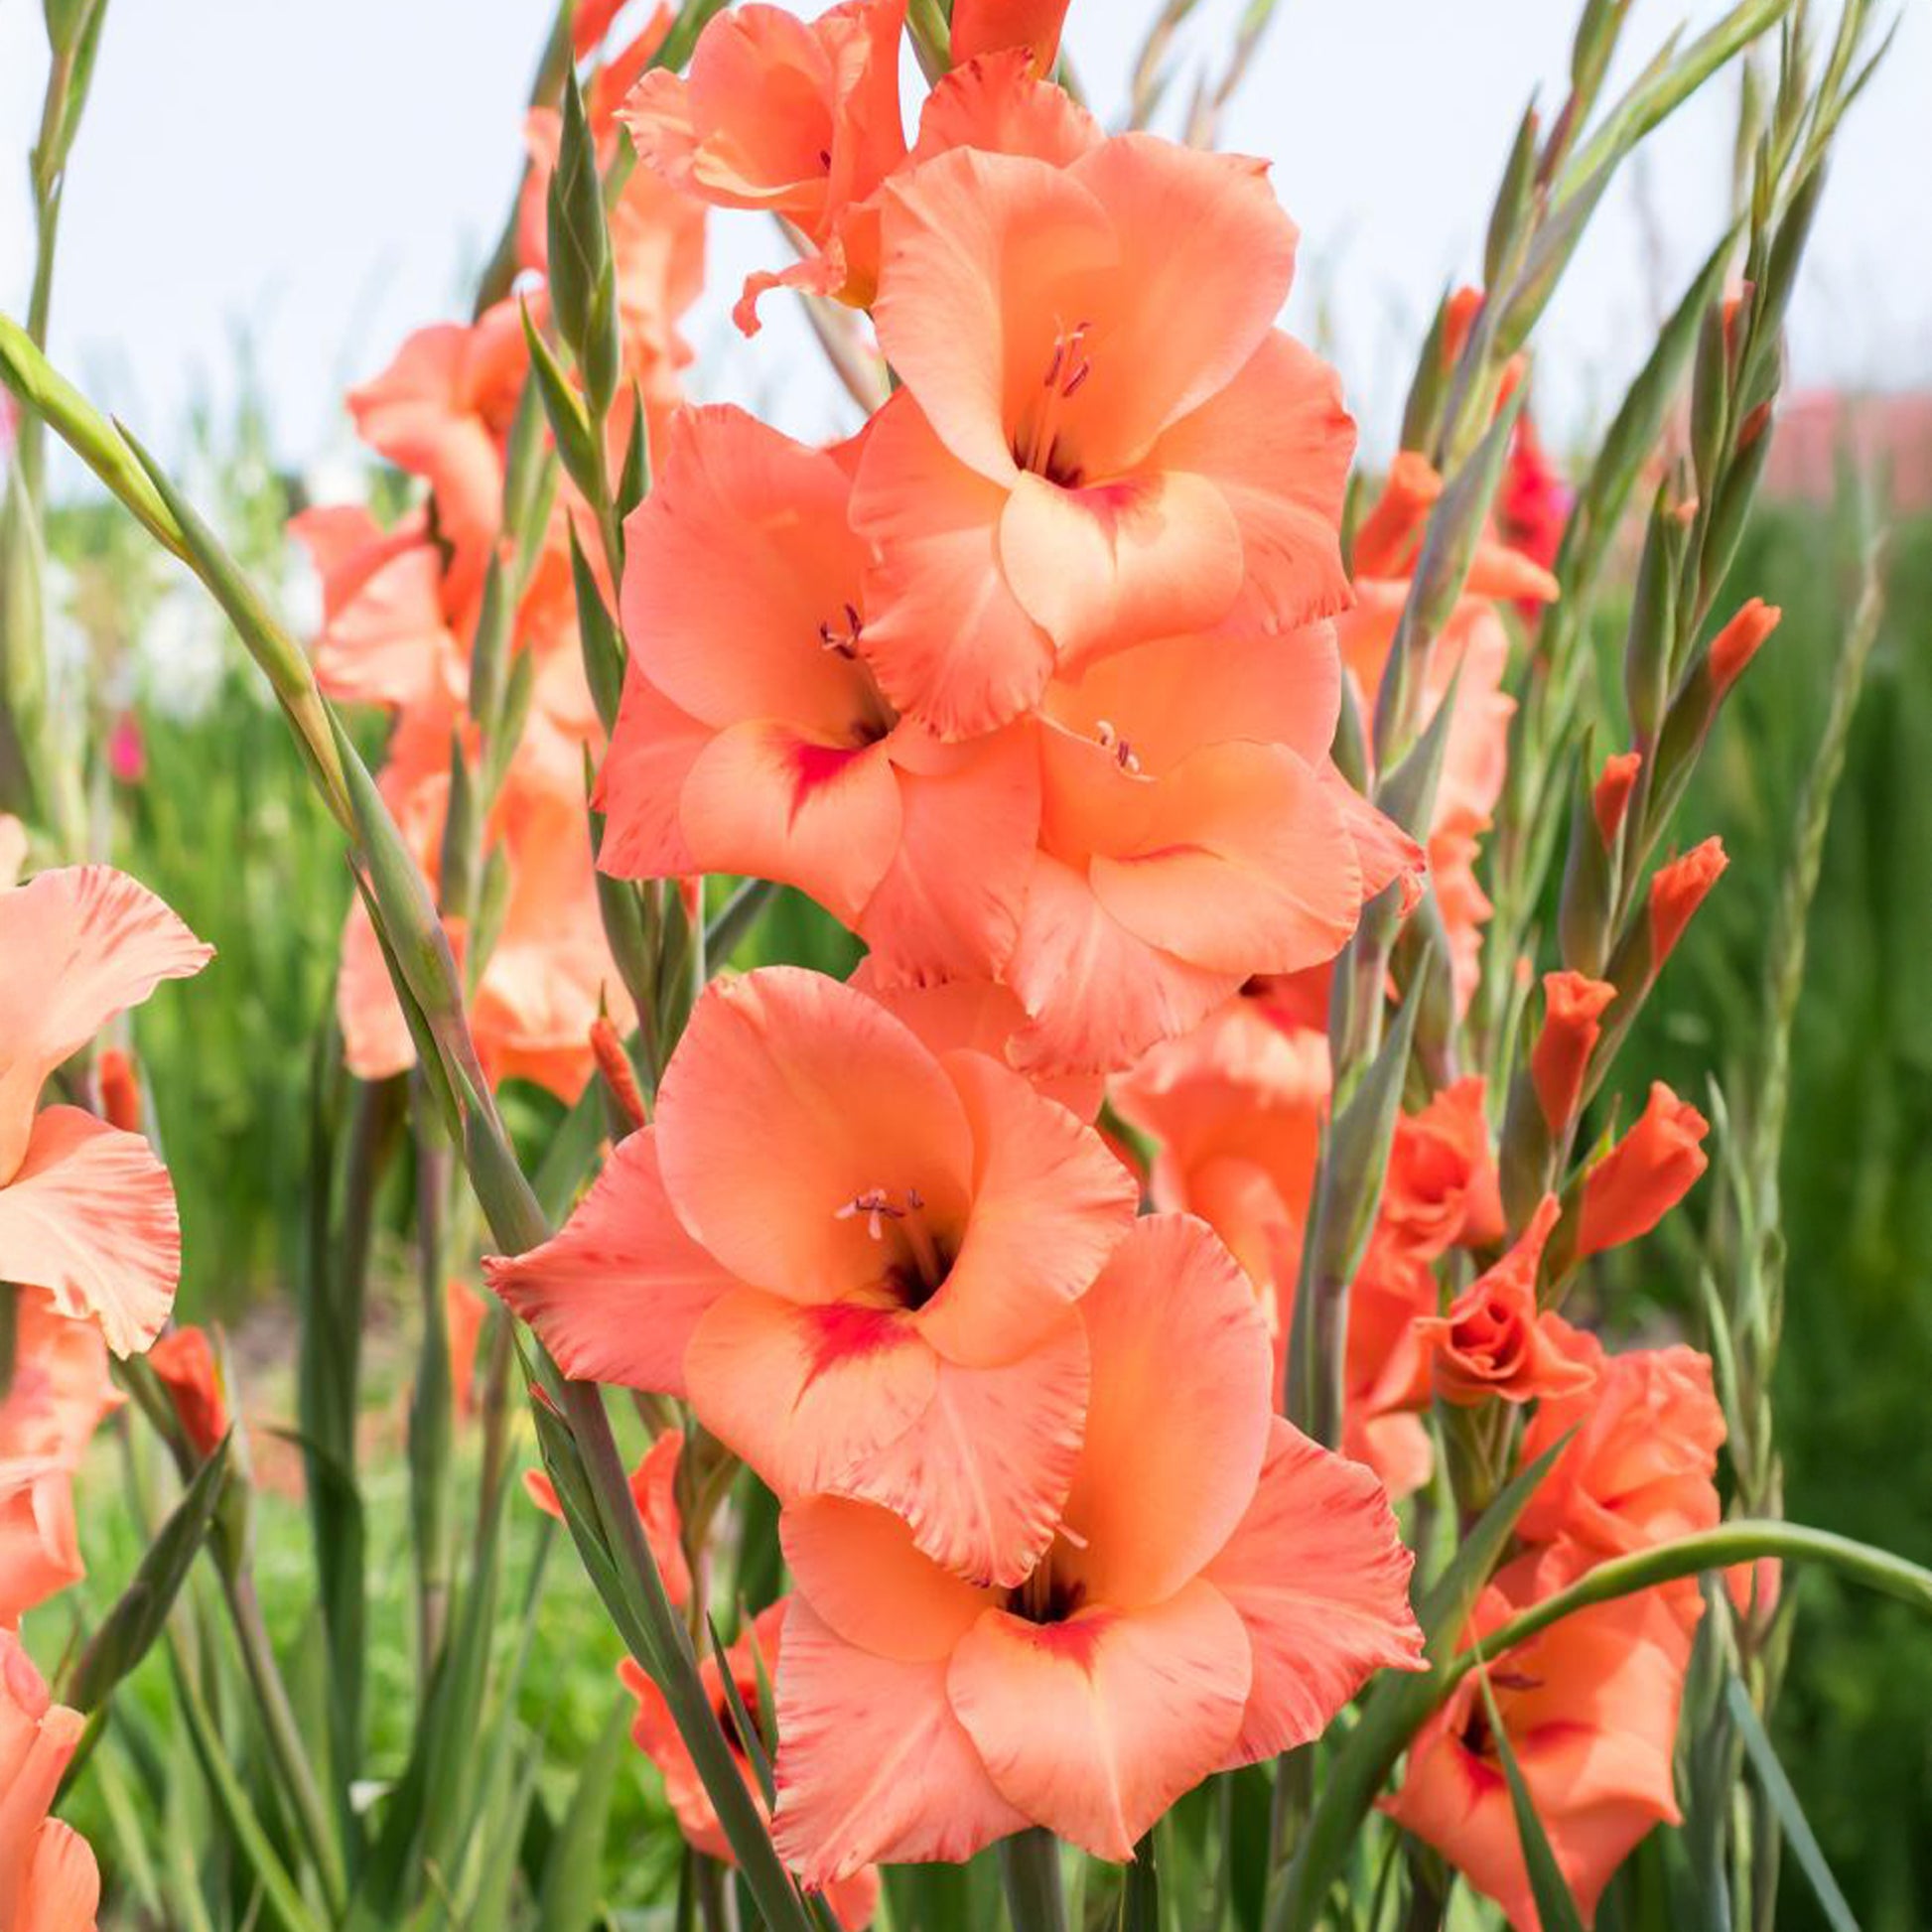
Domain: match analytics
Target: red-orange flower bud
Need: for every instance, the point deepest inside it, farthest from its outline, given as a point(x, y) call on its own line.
point(1611, 799)
point(1677, 890)
point(1644, 1176)
point(1493, 1341)
point(615, 1064)
point(120, 1090)
point(1737, 642)
point(1387, 539)
point(184, 1364)
point(1573, 1004)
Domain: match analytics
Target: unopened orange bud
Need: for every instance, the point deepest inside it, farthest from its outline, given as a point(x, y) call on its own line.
point(690, 896)
point(1458, 319)
point(1685, 513)
point(1386, 541)
point(615, 1064)
point(185, 1365)
point(1677, 890)
point(1611, 799)
point(1752, 427)
point(1737, 642)
point(120, 1090)
point(1644, 1176)
point(1735, 300)
point(1573, 1008)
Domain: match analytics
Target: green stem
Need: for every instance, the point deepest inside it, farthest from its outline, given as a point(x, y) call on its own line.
point(1030, 1865)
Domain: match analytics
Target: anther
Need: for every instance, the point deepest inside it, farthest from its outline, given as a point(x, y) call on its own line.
point(875, 1206)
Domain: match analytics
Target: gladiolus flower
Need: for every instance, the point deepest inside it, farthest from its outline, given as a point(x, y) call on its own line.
point(1573, 1010)
point(654, 1489)
point(86, 1211)
point(888, 1311)
point(798, 118)
point(1611, 798)
point(1193, 834)
point(753, 737)
point(1493, 1341)
point(1677, 889)
point(59, 1394)
point(184, 1361)
point(49, 1882)
point(1534, 503)
point(1442, 1190)
point(757, 1653)
point(1217, 1589)
point(127, 750)
point(989, 26)
point(1101, 438)
point(1590, 1707)
point(1645, 1174)
point(1641, 1468)
point(1739, 642)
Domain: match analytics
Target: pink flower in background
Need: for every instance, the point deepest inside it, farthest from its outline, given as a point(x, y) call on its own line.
point(127, 749)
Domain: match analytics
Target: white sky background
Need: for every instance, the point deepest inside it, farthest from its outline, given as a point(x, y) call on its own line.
point(318, 180)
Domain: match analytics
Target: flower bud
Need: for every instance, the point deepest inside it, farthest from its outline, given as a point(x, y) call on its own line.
point(1573, 1008)
point(1677, 889)
point(1644, 1176)
point(184, 1364)
point(1737, 642)
point(1611, 798)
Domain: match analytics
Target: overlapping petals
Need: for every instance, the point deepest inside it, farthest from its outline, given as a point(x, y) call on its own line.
point(886, 1310)
point(49, 1882)
point(1216, 1588)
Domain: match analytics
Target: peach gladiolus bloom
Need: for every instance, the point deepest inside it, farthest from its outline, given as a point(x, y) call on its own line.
point(1645, 1174)
point(1193, 834)
point(1590, 1707)
point(86, 1211)
point(1642, 1468)
point(1493, 1342)
point(1217, 1589)
point(49, 1882)
point(760, 1650)
point(184, 1361)
point(988, 25)
point(1101, 439)
point(60, 1391)
point(888, 1311)
point(654, 1489)
point(754, 737)
point(800, 119)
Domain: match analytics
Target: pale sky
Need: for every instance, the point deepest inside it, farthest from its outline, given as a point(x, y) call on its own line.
point(320, 179)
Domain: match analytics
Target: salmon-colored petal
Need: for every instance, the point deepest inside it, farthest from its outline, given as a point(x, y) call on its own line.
point(872, 1762)
point(1178, 1420)
point(1169, 698)
point(944, 633)
point(982, 1475)
point(1206, 256)
point(790, 1097)
point(616, 1294)
point(973, 248)
point(1097, 995)
point(1094, 1726)
point(979, 1015)
point(640, 787)
point(1112, 563)
point(1277, 443)
point(62, 1892)
point(859, 1568)
point(804, 1392)
point(994, 102)
point(760, 799)
point(1321, 1578)
point(89, 1217)
point(738, 554)
point(1051, 1204)
point(389, 644)
point(949, 904)
point(376, 1041)
point(82, 944)
point(1247, 865)
point(40, 1541)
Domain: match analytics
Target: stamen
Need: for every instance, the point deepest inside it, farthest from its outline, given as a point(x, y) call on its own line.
point(844, 643)
point(875, 1206)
